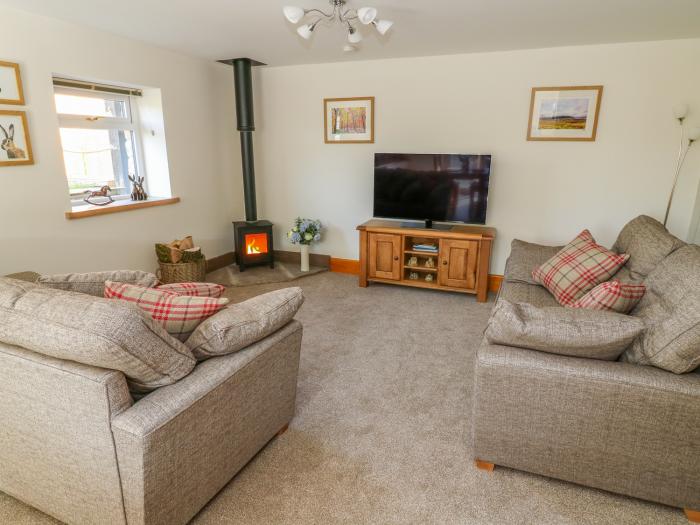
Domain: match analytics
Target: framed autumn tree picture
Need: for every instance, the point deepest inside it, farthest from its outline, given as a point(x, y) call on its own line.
point(349, 120)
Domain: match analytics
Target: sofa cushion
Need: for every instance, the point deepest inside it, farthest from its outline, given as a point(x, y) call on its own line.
point(178, 314)
point(194, 289)
point(93, 283)
point(565, 331)
point(93, 331)
point(524, 258)
point(647, 243)
point(670, 311)
point(534, 294)
point(613, 296)
point(577, 268)
point(245, 323)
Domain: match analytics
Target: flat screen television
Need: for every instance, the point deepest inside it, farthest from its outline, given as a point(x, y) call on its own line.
point(445, 188)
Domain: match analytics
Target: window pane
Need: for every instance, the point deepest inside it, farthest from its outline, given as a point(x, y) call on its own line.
point(91, 106)
point(98, 157)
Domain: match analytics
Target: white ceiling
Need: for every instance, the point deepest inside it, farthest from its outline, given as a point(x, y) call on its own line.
point(219, 29)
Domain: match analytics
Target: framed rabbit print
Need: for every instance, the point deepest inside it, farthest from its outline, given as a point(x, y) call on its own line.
point(15, 147)
point(10, 84)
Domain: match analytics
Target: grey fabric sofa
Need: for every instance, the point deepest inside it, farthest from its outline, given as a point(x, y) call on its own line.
point(613, 425)
point(74, 444)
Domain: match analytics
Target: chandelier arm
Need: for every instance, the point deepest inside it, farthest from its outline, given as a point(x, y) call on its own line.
point(318, 11)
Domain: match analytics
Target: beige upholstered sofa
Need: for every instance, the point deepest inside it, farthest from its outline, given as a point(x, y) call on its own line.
point(625, 426)
point(75, 444)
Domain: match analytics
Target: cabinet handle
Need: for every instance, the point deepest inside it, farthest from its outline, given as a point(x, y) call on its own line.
point(444, 262)
point(396, 257)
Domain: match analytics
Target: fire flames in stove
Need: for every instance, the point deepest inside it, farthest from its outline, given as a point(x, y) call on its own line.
point(256, 243)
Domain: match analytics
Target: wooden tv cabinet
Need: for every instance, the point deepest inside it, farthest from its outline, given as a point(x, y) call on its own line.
point(461, 263)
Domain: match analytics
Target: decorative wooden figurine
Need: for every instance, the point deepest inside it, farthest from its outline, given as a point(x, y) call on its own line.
point(413, 261)
point(430, 262)
point(413, 276)
point(102, 193)
point(137, 191)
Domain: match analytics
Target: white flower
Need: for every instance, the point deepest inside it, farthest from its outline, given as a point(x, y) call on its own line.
point(308, 236)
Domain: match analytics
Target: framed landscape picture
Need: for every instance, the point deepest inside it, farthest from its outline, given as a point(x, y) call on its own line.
point(564, 113)
point(15, 147)
point(10, 84)
point(349, 120)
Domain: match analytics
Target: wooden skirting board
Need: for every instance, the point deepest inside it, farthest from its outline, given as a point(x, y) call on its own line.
point(352, 267)
point(334, 264)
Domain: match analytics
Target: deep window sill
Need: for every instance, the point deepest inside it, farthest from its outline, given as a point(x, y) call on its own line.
point(88, 210)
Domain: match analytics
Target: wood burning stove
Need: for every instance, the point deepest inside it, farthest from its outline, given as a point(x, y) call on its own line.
point(253, 243)
point(253, 237)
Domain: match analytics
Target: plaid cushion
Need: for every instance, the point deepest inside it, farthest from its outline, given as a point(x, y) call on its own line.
point(194, 289)
point(577, 268)
point(179, 314)
point(612, 295)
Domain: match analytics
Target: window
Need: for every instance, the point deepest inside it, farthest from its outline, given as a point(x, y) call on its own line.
point(100, 137)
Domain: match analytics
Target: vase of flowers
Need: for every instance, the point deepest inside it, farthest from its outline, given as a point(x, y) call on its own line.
point(304, 232)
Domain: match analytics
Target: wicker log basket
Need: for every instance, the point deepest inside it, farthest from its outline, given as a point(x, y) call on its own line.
point(189, 272)
point(181, 262)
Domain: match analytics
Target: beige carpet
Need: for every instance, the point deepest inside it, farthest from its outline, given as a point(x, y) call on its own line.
point(382, 431)
point(282, 272)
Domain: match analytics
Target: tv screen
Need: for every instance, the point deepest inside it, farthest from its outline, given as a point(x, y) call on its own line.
point(448, 188)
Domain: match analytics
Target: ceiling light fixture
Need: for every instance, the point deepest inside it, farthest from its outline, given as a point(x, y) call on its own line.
point(348, 18)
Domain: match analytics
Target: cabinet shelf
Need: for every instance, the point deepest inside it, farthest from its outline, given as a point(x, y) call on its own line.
point(420, 268)
point(422, 254)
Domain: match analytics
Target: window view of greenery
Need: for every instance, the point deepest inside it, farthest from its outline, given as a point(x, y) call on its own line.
point(98, 143)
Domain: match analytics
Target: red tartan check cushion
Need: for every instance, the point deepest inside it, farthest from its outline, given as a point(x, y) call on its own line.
point(577, 268)
point(612, 295)
point(194, 289)
point(179, 314)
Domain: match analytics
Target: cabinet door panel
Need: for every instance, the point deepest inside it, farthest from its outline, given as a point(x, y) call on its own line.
point(458, 263)
point(385, 256)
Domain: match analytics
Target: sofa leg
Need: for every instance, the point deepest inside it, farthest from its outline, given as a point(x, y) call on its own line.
point(484, 465)
point(692, 515)
point(282, 430)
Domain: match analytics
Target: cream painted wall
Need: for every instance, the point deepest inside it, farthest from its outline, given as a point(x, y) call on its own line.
point(478, 103)
point(203, 155)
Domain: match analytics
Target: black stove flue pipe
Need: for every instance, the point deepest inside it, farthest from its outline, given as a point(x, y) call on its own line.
point(243, 79)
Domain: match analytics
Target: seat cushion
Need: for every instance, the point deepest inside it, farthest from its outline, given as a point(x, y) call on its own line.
point(578, 268)
point(647, 243)
point(534, 294)
point(612, 296)
point(93, 283)
point(245, 323)
point(565, 331)
point(178, 314)
point(670, 311)
point(93, 331)
point(524, 258)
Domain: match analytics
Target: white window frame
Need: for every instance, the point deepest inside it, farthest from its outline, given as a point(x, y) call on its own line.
point(130, 123)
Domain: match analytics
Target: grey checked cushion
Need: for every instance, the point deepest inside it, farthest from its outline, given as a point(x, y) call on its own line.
point(98, 332)
point(93, 283)
point(647, 243)
point(671, 312)
point(241, 325)
point(525, 257)
point(565, 331)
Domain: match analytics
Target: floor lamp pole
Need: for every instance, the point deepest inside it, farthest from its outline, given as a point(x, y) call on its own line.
point(682, 151)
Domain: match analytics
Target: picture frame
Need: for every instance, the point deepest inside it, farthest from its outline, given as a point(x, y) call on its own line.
point(348, 120)
point(11, 91)
point(565, 113)
point(15, 144)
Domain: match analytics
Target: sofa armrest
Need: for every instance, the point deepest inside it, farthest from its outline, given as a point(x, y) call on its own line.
point(625, 428)
point(193, 436)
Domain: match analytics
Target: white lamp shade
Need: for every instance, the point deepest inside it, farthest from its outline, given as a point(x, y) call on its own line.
point(383, 26)
point(305, 31)
point(680, 110)
point(694, 134)
point(293, 13)
point(355, 38)
point(367, 15)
